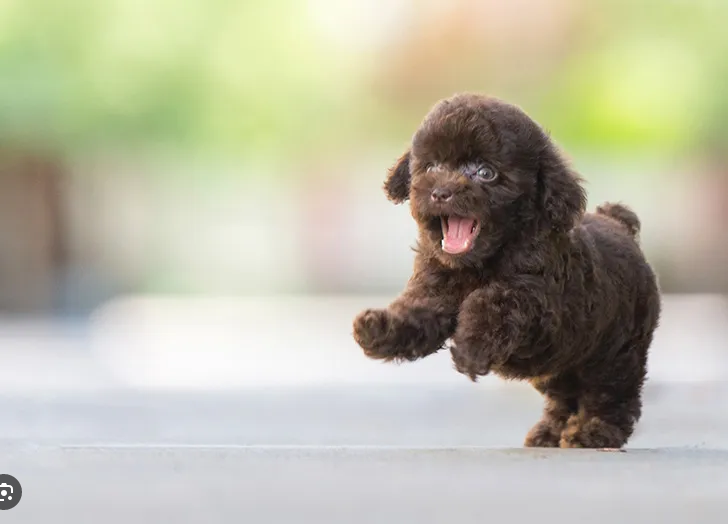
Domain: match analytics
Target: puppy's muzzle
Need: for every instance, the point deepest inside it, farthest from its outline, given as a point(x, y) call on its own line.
point(440, 195)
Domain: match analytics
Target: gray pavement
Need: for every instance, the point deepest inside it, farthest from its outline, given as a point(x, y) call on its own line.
point(344, 485)
point(675, 415)
point(427, 453)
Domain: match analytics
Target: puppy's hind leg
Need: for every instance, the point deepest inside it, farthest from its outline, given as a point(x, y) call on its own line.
point(560, 395)
point(605, 421)
point(611, 404)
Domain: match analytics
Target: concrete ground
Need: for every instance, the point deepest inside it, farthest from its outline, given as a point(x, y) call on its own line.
point(106, 423)
point(299, 485)
point(387, 454)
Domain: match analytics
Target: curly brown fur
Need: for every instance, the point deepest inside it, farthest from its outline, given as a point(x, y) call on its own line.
point(511, 269)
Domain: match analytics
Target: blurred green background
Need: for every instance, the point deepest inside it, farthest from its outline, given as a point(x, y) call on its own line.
point(238, 147)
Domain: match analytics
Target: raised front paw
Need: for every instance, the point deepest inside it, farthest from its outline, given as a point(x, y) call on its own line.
point(379, 333)
point(469, 362)
point(495, 322)
point(370, 330)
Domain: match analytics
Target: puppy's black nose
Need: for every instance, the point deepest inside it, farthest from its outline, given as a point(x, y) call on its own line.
point(441, 195)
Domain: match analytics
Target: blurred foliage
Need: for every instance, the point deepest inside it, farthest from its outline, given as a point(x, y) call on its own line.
point(653, 78)
point(259, 80)
point(220, 75)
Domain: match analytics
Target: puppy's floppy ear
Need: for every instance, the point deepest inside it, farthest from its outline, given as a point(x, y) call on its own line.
point(563, 198)
point(397, 183)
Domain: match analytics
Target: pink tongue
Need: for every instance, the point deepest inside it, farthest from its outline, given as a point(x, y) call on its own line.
point(459, 235)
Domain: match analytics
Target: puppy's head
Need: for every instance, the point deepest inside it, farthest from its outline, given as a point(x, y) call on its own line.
point(480, 173)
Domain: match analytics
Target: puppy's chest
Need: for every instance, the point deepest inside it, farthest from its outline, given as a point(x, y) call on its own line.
point(460, 286)
point(501, 280)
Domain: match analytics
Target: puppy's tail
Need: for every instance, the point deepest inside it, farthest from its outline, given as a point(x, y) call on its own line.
point(623, 215)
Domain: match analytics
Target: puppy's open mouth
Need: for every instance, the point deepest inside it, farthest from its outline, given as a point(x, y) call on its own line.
point(458, 234)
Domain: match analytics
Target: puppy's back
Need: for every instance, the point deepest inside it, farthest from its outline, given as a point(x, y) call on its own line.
point(611, 258)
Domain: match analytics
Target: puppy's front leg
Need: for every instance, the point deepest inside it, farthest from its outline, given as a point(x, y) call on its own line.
point(415, 325)
point(497, 322)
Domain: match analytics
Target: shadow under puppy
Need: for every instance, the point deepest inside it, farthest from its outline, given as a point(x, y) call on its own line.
point(517, 276)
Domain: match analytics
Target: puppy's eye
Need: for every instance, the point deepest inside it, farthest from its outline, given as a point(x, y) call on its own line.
point(485, 174)
point(430, 168)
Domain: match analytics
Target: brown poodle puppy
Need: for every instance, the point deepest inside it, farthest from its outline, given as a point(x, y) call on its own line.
point(511, 269)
